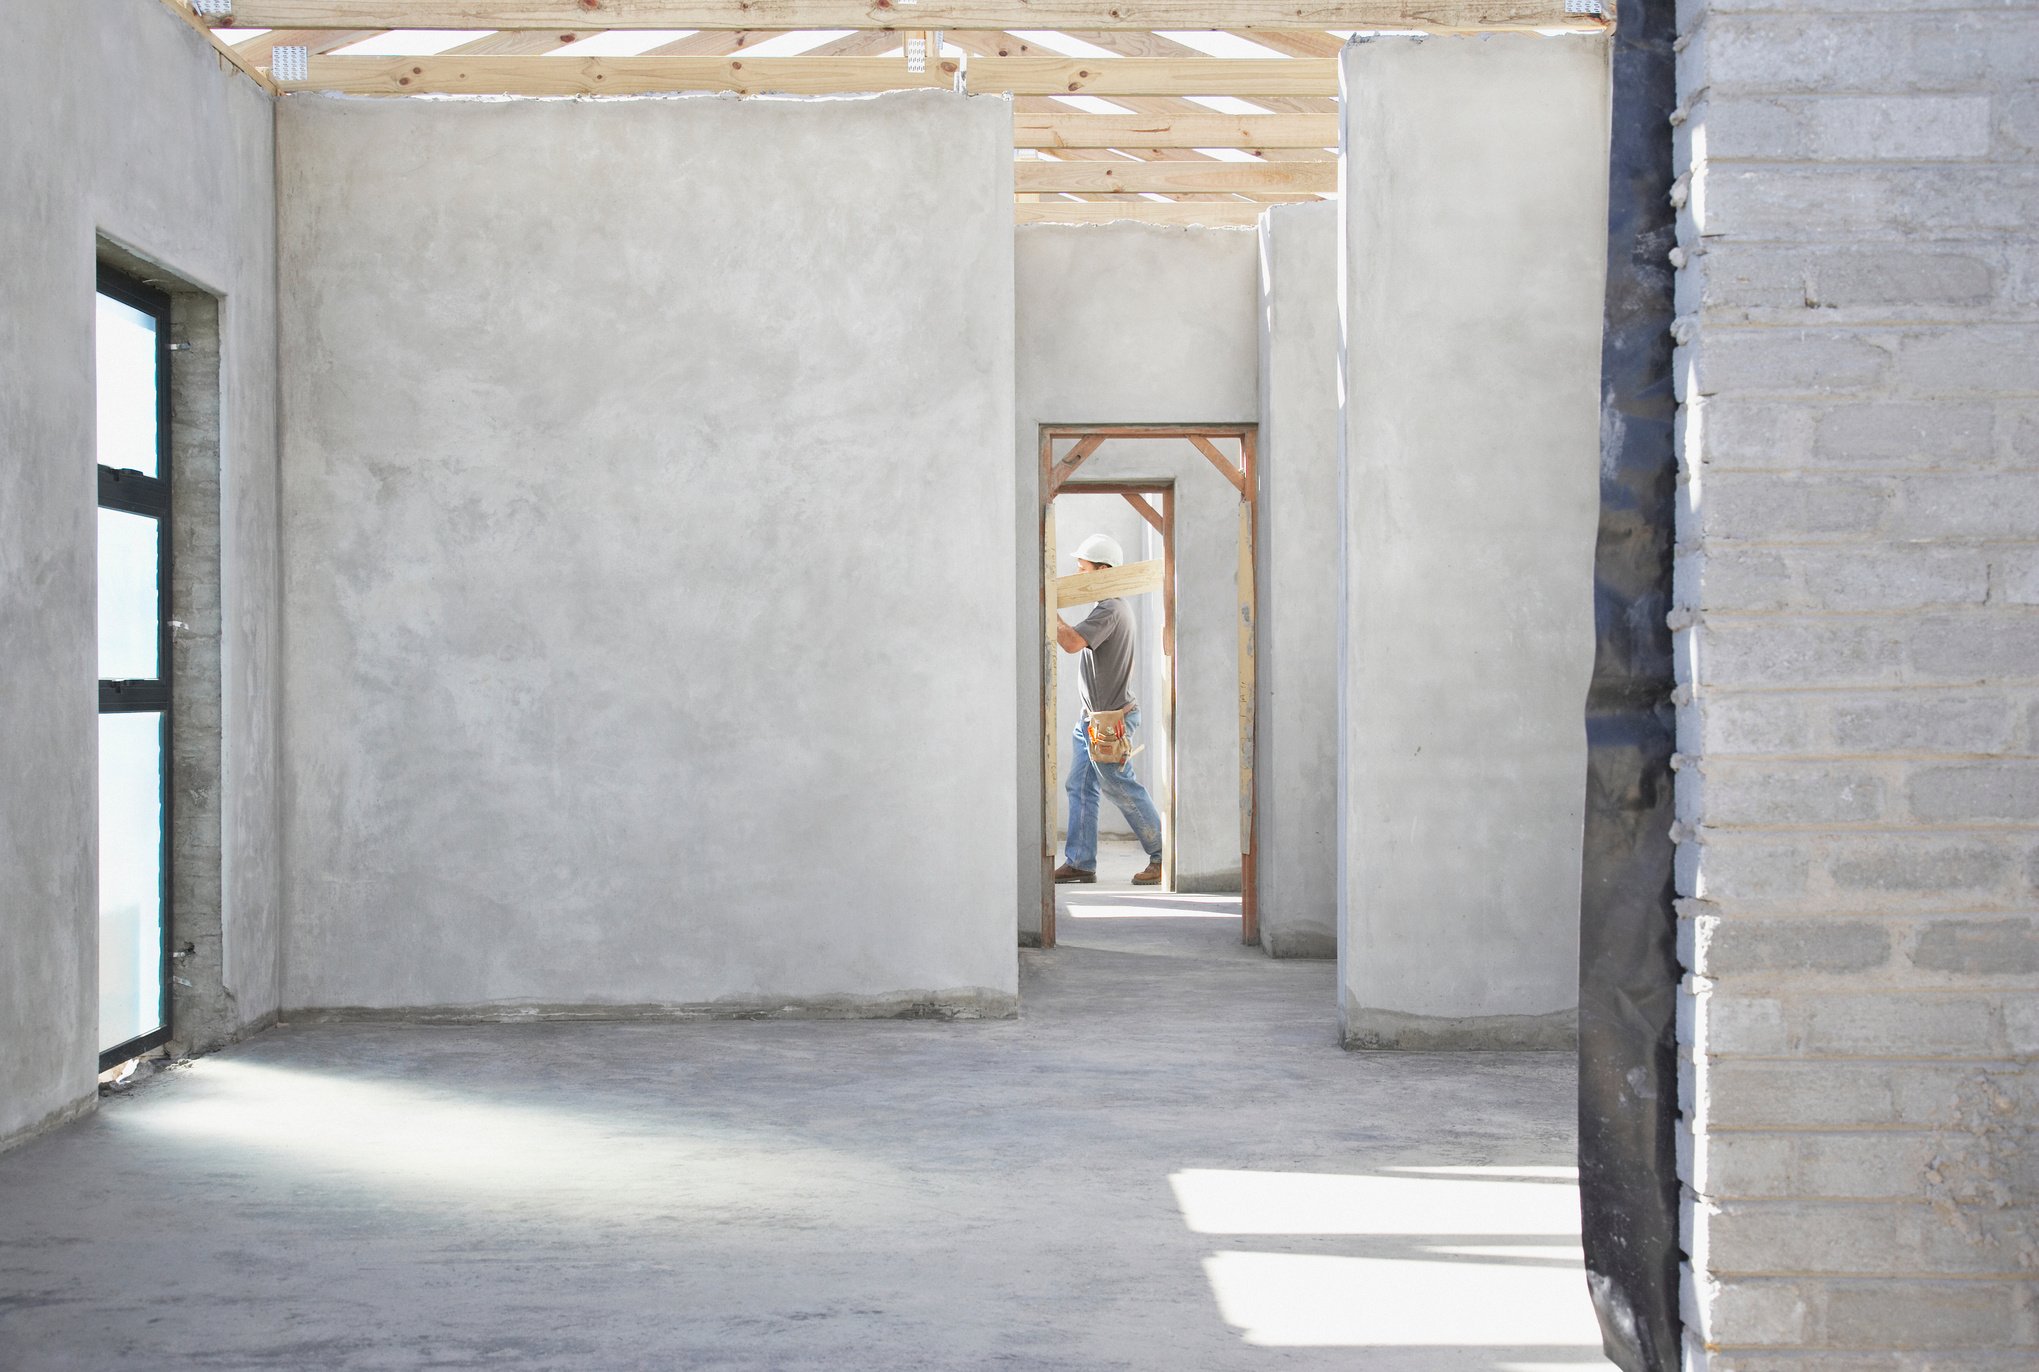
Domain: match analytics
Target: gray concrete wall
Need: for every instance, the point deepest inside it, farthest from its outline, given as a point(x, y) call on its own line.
point(1473, 250)
point(1133, 323)
point(649, 555)
point(1296, 743)
point(118, 122)
point(1857, 606)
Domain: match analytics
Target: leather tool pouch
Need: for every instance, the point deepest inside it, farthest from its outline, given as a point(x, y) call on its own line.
point(1109, 743)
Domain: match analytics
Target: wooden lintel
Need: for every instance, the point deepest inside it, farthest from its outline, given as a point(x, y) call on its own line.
point(1211, 430)
point(1247, 131)
point(1075, 458)
point(1224, 464)
point(1154, 75)
point(1147, 512)
point(1432, 16)
point(1135, 578)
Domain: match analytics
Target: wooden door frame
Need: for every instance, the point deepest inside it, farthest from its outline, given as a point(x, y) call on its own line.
point(1056, 478)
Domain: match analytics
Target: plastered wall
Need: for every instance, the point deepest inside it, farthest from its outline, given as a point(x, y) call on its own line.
point(649, 555)
point(188, 188)
point(1858, 658)
point(1296, 746)
point(1132, 323)
point(1473, 254)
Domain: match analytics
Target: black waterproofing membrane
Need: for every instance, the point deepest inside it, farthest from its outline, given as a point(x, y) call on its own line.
point(1628, 961)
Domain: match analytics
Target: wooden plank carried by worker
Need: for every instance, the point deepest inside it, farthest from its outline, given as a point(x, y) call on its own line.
point(1135, 578)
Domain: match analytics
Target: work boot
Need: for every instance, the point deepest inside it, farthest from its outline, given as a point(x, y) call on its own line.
point(1150, 875)
point(1065, 874)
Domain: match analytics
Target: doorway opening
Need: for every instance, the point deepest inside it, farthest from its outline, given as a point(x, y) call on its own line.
point(1229, 451)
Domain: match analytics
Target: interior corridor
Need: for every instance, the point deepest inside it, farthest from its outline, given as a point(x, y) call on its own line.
point(1165, 1162)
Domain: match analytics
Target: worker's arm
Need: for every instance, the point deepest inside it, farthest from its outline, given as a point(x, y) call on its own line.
point(1071, 641)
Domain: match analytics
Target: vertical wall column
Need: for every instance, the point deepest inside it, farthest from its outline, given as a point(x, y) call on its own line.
point(1474, 174)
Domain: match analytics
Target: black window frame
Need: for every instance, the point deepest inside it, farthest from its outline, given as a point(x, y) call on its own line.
point(134, 493)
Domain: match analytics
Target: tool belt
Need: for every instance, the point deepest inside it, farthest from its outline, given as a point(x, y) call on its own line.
point(1109, 742)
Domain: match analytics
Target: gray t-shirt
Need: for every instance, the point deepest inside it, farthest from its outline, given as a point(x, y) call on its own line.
point(1104, 670)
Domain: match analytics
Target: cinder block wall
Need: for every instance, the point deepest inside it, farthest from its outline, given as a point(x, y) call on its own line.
point(1859, 320)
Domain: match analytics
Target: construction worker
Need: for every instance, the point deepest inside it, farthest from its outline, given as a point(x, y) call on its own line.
point(1103, 740)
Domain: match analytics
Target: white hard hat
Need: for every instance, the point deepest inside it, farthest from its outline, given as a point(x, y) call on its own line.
point(1102, 549)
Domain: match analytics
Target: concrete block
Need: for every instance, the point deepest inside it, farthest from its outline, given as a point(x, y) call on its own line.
point(1757, 722)
point(2016, 575)
point(1749, 945)
point(1762, 505)
point(1876, 1024)
point(1727, 1023)
point(2004, 791)
point(1956, 361)
point(1989, 948)
point(1847, 204)
point(1881, 576)
point(1842, 1239)
point(1751, 1093)
point(1925, 721)
point(1757, 793)
point(1794, 361)
point(1746, 1311)
point(1779, 651)
point(1844, 128)
point(1756, 872)
point(1985, 648)
point(1917, 870)
point(1892, 51)
point(1768, 280)
point(1945, 434)
point(1931, 1315)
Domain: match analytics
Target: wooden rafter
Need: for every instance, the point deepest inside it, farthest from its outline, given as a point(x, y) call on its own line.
point(1436, 16)
point(222, 47)
point(567, 75)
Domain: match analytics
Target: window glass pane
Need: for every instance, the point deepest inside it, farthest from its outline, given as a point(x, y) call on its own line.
point(129, 610)
point(130, 876)
point(127, 387)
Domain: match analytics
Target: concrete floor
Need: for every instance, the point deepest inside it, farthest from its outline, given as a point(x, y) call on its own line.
point(1165, 1163)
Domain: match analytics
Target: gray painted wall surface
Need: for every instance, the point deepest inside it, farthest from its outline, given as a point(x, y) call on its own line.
point(1131, 323)
point(178, 170)
point(1474, 257)
point(1296, 757)
point(649, 554)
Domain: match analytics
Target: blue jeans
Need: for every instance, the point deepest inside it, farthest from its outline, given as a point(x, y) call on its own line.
point(1086, 780)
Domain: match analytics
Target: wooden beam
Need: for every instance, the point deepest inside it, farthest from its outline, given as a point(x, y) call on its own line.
point(616, 75)
point(1109, 76)
point(1147, 512)
point(1074, 458)
point(1216, 214)
point(1432, 16)
point(1135, 131)
point(448, 74)
point(1221, 462)
point(237, 61)
point(1136, 177)
point(1135, 578)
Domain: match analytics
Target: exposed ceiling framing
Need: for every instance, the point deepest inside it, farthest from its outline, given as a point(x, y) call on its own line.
point(1172, 111)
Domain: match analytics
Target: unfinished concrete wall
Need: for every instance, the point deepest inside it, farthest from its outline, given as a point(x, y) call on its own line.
point(178, 171)
point(649, 555)
point(1133, 323)
point(1296, 757)
point(1473, 256)
point(1859, 669)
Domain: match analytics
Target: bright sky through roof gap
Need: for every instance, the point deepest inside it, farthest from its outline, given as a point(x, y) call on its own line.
point(237, 35)
point(1220, 44)
point(411, 43)
point(793, 44)
point(1227, 104)
point(621, 43)
point(1060, 42)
